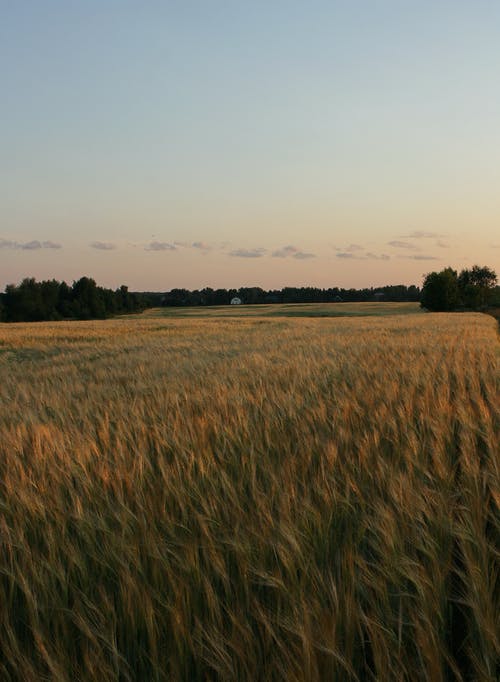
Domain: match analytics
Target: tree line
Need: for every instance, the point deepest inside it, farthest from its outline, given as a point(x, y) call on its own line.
point(471, 289)
point(32, 301)
point(256, 295)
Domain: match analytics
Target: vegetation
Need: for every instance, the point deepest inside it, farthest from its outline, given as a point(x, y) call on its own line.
point(250, 499)
point(33, 301)
point(256, 295)
point(473, 288)
point(368, 309)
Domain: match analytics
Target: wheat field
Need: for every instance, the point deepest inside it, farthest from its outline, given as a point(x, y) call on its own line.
point(250, 499)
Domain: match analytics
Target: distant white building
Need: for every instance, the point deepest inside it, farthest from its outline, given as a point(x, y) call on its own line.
point(236, 301)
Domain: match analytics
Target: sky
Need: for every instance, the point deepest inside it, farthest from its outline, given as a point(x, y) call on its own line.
point(269, 143)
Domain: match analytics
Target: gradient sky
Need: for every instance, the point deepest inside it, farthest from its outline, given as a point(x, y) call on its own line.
point(229, 143)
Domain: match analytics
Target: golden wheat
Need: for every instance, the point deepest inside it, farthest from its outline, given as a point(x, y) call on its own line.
point(250, 499)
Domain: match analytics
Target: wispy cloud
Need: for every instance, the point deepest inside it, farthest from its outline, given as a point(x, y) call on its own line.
point(442, 245)
point(285, 252)
point(292, 252)
point(356, 255)
point(421, 256)
point(349, 249)
point(397, 244)
point(33, 245)
point(248, 253)
point(201, 246)
point(102, 246)
point(160, 246)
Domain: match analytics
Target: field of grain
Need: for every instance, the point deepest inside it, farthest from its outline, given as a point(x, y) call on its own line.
point(250, 499)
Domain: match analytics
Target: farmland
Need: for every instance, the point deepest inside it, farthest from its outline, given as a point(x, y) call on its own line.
point(289, 310)
point(253, 494)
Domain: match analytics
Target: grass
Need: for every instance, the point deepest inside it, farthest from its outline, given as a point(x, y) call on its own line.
point(290, 310)
point(250, 499)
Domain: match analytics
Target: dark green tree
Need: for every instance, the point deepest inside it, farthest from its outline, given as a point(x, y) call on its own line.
point(49, 292)
point(64, 300)
point(476, 286)
point(24, 303)
point(440, 291)
point(32, 301)
point(88, 301)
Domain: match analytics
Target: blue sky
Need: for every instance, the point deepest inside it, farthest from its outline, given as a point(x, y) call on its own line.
point(165, 144)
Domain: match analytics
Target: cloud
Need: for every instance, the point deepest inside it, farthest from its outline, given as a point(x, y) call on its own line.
point(349, 255)
point(350, 248)
point(285, 252)
point(33, 245)
point(401, 245)
point(442, 245)
point(160, 246)
point(420, 256)
point(248, 253)
point(374, 256)
point(422, 234)
point(292, 252)
point(102, 246)
point(201, 246)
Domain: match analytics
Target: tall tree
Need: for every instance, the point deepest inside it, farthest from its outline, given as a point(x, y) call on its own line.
point(440, 291)
point(476, 286)
point(87, 300)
